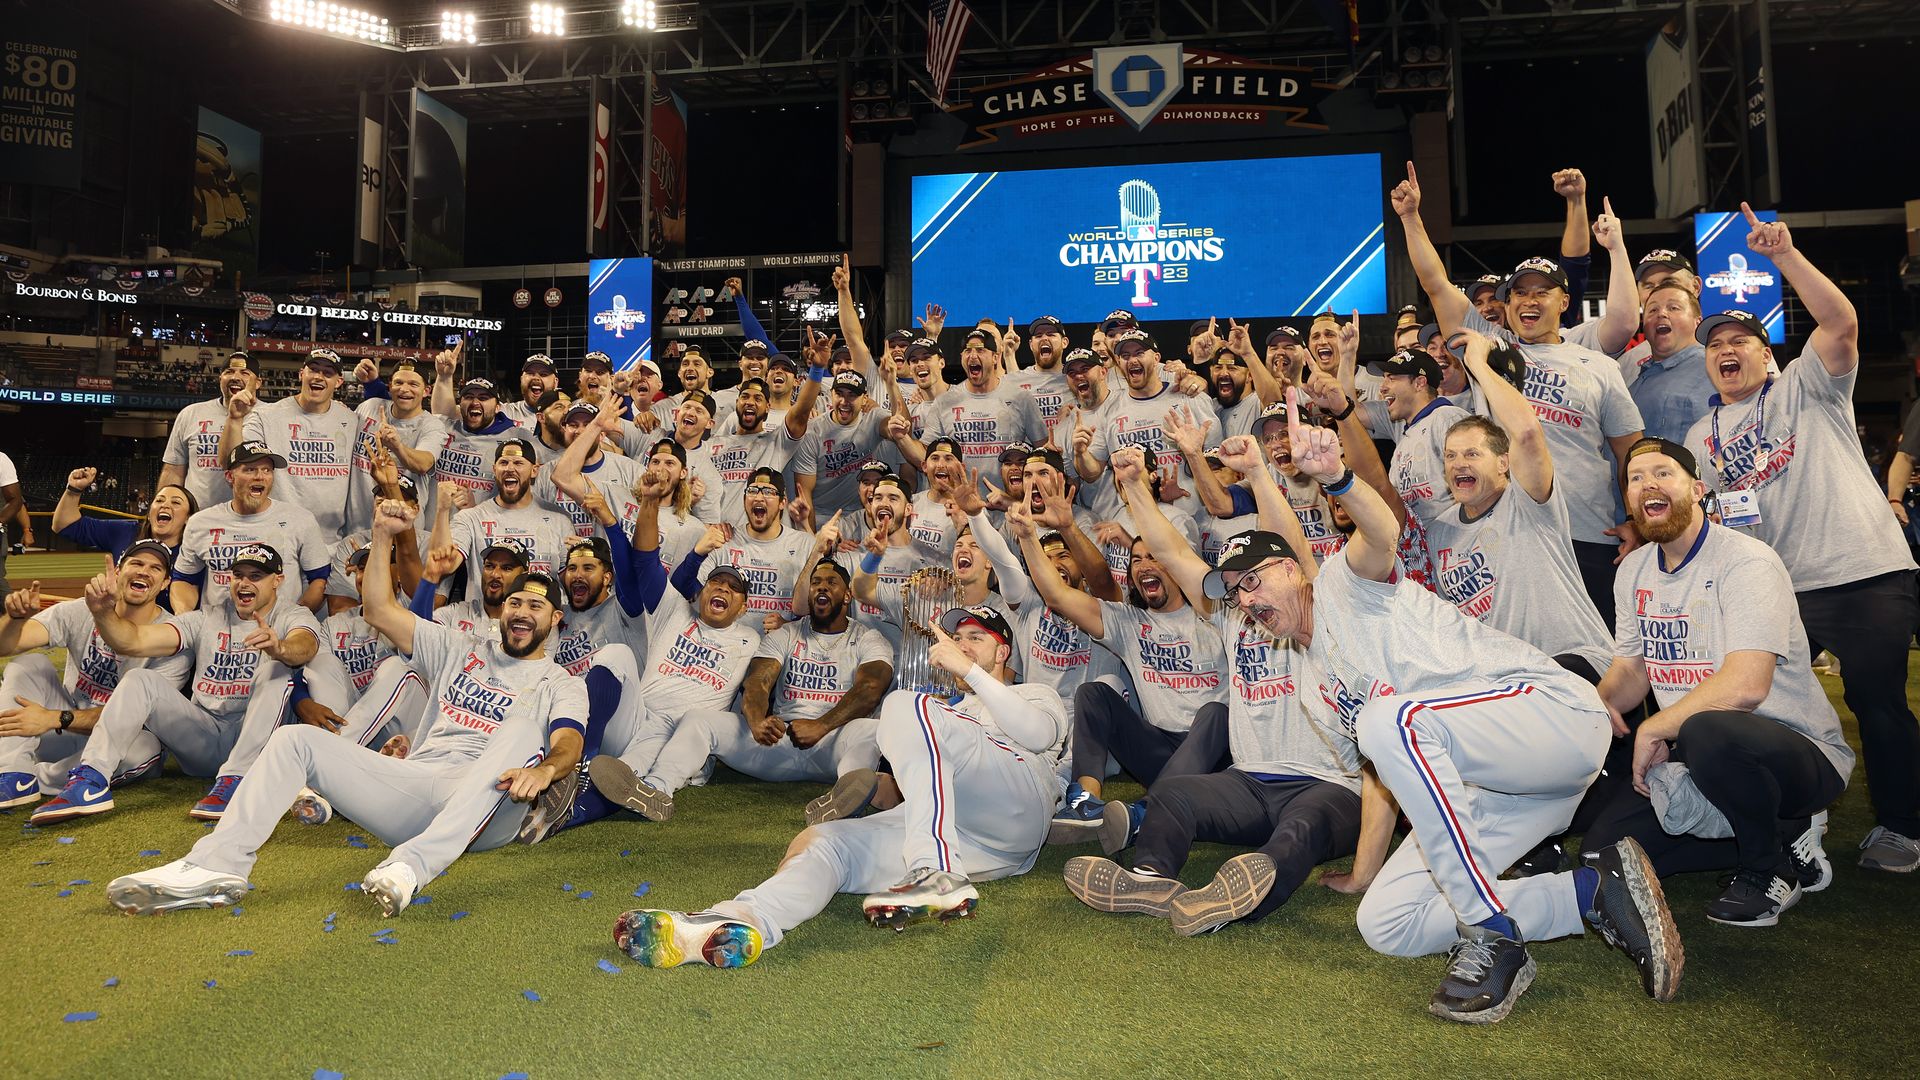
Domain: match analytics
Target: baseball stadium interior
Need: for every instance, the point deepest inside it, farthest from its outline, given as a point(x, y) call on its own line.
point(482, 483)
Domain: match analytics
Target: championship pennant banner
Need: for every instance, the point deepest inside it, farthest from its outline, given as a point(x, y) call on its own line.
point(1113, 90)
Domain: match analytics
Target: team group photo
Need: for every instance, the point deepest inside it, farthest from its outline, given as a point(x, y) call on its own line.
point(1037, 539)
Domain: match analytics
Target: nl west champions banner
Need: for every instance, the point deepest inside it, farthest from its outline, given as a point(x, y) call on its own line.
point(618, 323)
point(1271, 237)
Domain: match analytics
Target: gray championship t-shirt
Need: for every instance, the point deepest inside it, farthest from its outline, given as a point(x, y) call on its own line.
point(541, 532)
point(223, 666)
point(1795, 446)
point(692, 666)
point(735, 457)
point(817, 669)
point(318, 447)
point(93, 668)
point(424, 432)
point(1513, 569)
point(195, 446)
point(832, 454)
point(984, 424)
point(614, 476)
point(475, 685)
point(583, 634)
point(356, 646)
point(1049, 391)
point(1126, 421)
point(1730, 595)
point(1417, 473)
point(215, 534)
point(773, 567)
point(1272, 698)
point(1175, 657)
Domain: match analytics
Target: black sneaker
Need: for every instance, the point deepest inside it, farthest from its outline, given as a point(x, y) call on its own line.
point(1487, 971)
point(1549, 858)
point(1753, 898)
point(1630, 911)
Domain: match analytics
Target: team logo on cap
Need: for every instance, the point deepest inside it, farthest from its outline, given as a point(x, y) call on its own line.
point(619, 318)
point(1141, 248)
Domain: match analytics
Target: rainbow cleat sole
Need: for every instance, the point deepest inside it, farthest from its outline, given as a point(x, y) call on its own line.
point(664, 939)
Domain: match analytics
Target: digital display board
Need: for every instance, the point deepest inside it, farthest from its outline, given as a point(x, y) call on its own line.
point(619, 299)
point(1731, 276)
point(1262, 237)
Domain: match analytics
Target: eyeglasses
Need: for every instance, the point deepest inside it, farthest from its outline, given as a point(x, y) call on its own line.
point(1247, 582)
point(762, 489)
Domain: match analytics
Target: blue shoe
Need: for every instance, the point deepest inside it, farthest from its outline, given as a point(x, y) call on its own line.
point(215, 802)
point(18, 789)
point(86, 792)
point(1078, 818)
point(1120, 823)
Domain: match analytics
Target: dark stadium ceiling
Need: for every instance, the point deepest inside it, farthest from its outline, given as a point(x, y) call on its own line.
point(292, 80)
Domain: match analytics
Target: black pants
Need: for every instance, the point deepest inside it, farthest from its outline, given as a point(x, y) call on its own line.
point(1766, 778)
point(1105, 725)
point(1868, 624)
point(1299, 824)
point(1596, 573)
point(1616, 772)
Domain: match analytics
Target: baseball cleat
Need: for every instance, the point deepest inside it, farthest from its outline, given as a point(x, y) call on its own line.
point(1884, 849)
point(1120, 823)
point(87, 792)
point(622, 786)
point(1548, 858)
point(214, 803)
point(1630, 911)
point(851, 794)
point(664, 939)
point(1487, 971)
point(923, 894)
point(311, 808)
point(1809, 857)
point(1239, 886)
point(1753, 899)
point(18, 789)
point(1078, 819)
point(176, 886)
point(392, 884)
point(552, 809)
point(1105, 885)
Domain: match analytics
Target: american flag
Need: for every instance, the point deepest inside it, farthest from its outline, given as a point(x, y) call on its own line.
point(946, 24)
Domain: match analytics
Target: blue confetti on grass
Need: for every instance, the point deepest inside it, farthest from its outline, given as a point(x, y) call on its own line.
point(80, 881)
point(112, 981)
point(587, 895)
point(80, 1017)
point(211, 983)
point(66, 839)
point(608, 966)
point(422, 900)
point(150, 852)
point(237, 910)
point(385, 941)
point(624, 852)
point(240, 952)
point(456, 916)
point(326, 928)
point(513, 1076)
point(210, 824)
point(566, 886)
point(331, 915)
point(530, 995)
point(645, 888)
point(328, 1074)
point(64, 893)
point(353, 886)
point(382, 933)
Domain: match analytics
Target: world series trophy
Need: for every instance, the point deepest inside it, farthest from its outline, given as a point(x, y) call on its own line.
point(925, 595)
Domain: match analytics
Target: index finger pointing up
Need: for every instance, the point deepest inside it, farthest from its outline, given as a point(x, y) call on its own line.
point(1752, 219)
point(1606, 205)
point(1296, 431)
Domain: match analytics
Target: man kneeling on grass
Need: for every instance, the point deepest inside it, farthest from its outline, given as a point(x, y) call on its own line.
point(507, 724)
point(979, 774)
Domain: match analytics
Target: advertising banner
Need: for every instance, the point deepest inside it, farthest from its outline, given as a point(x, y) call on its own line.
point(42, 68)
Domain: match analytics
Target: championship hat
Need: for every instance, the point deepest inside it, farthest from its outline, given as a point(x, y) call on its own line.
point(980, 615)
point(260, 555)
point(1243, 553)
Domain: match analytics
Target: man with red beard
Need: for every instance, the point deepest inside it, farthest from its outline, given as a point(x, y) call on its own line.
point(1784, 456)
point(478, 431)
point(539, 388)
point(1743, 725)
point(1486, 744)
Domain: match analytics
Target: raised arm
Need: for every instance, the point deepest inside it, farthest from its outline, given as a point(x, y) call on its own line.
point(1450, 305)
point(232, 434)
point(1056, 513)
point(19, 631)
point(1836, 332)
point(1242, 454)
point(849, 317)
point(67, 510)
point(1376, 531)
point(1338, 401)
point(819, 356)
point(1054, 591)
point(1265, 385)
point(1530, 458)
point(1192, 440)
point(1622, 316)
point(377, 603)
point(1165, 541)
point(1571, 185)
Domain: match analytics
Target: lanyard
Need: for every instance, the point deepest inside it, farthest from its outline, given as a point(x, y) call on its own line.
point(1759, 428)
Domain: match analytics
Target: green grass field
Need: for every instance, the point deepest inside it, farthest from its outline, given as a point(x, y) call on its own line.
point(1036, 985)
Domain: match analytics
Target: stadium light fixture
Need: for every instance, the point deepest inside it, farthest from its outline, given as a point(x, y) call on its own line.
point(547, 19)
point(337, 19)
point(458, 26)
point(640, 14)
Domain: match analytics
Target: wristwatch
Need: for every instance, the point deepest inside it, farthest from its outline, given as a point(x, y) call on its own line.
point(66, 719)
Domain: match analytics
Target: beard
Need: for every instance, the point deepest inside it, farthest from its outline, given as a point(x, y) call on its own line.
point(534, 642)
point(1678, 520)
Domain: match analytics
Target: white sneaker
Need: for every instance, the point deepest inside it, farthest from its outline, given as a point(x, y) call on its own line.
point(392, 884)
point(311, 808)
point(174, 887)
point(1809, 858)
point(923, 894)
point(1884, 849)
